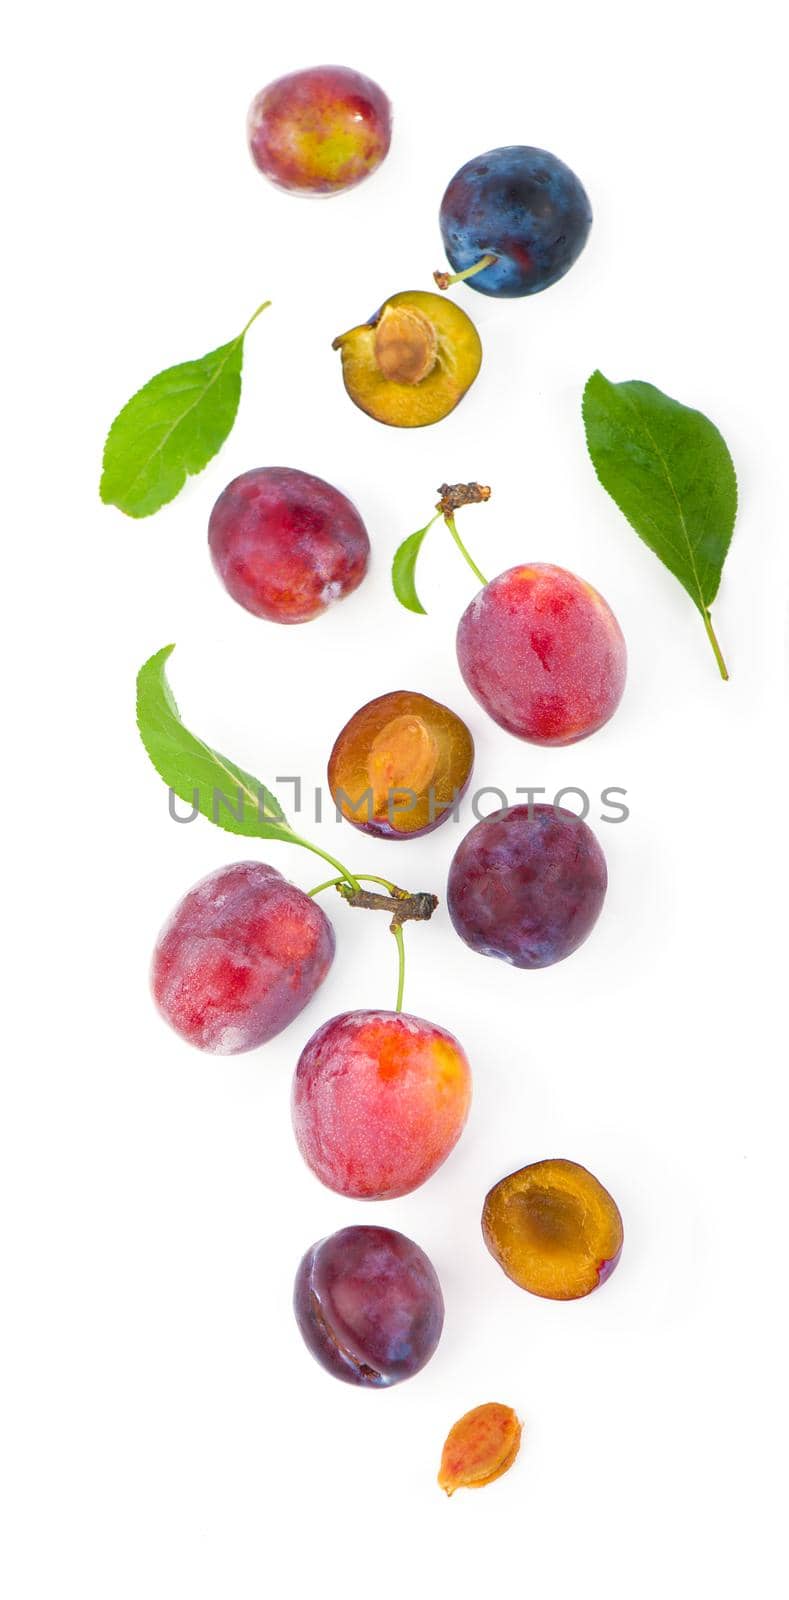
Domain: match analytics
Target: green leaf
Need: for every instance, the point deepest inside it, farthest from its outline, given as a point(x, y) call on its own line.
point(404, 569)
point(200, 776)
point(669, 470)
point(171, 428)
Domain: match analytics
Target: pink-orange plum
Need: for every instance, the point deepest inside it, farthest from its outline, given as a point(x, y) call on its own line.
point(379, 1101)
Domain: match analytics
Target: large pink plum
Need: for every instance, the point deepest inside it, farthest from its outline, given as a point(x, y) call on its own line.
point(527, 885)
point(379, 1101)
point(286, 544)
point(239, 958)
point(543, 653)
point(369, 1306)
point(319, 131)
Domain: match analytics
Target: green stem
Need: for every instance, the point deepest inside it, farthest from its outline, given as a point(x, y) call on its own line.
point(397, 930)
point(331, 883)
point(400, 942)
point(450, 522)
point(345, 875)
point(368, 877)
point(445, 280)
point(264, 304)
point(722, 668)
point(363, 877)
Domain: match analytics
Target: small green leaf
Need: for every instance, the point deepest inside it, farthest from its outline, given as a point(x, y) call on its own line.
point(404, 569)
point(171, 428)
point(670, 472)
point(200, 776)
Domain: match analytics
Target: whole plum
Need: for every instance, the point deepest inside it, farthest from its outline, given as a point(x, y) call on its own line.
point(319, 131)
point(527, 885)
point(369, 1306)
point(286, 544)
point(522, 206)
point(380, 1100)
point(543, 653)
point(239, 958)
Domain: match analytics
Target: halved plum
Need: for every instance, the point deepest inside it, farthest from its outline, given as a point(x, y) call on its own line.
point(400, 765)
point(414, 360)
point(553, 1229)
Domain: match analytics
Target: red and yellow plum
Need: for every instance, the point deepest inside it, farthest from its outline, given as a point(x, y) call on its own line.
point(379, 1101)
point(521, 210)
point(239, 958)
point(286, 544)
point(319, 131)
point(543, 653)
point(400, 764)
point(527, 885)
point(553, 1229)
point(369, 1306)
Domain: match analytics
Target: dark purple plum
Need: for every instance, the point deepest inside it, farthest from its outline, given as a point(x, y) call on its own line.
point(527, 885)
point(369, 1306)
point(521, 205)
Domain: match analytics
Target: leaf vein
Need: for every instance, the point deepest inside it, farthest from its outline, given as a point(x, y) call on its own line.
point(179, 420)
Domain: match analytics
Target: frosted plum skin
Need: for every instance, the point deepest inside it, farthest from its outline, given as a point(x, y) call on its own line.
point(286, 544)
point(239, 958)
point(369, 1306)
point(379, 1101)
point(320, 130)
point(527, 886)
point(543, 653)
point(522, 205)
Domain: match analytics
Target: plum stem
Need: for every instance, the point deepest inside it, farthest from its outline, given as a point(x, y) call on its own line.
point(404, 907)
point(450, 522)
point(264, 304)
point(334, 883)
point(345, 876)
point(453, 496)
point(397, 930)
point(722, 668)
point(446, 279)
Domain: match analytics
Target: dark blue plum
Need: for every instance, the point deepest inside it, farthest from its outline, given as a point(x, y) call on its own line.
point(369, 1306)
point(527, 885)
point(522, 205)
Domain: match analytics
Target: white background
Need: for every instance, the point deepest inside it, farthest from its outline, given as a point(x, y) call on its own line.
point(164, 1432)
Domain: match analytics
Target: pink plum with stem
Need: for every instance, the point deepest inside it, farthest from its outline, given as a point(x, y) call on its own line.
point(538, 647)
point(543, 653)
point(380, 1100)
